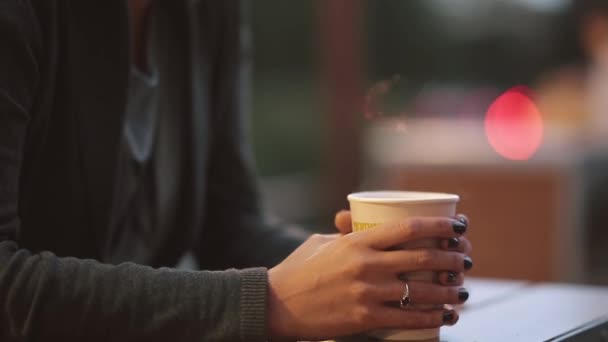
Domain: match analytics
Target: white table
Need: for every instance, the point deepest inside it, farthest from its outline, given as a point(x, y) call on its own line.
point(516, 311)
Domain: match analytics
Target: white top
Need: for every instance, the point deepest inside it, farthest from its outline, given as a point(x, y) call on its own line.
point(402, 197)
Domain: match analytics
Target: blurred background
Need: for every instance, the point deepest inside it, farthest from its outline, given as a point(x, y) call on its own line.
point(503, 102)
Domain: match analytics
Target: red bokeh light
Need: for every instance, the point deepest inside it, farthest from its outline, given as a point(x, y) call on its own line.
point(514, 125)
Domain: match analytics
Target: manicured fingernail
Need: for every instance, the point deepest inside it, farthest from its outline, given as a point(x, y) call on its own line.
point(468, 263)
point(463, 294)
point(451, 277)
point(453, 243)
point(462, 219)
point(459, 227)
point(448, 316)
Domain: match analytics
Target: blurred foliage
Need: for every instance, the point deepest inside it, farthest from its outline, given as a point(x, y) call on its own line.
point(287, 125)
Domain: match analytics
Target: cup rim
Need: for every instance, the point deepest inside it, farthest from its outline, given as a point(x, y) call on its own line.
point(393, 196)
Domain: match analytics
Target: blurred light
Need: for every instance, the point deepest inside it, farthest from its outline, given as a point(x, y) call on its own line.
point(400, 126)
point(514, 125)
point(554, 6)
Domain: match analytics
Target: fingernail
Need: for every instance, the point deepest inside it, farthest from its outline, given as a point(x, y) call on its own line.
point(448, 316)
point(453, 243)
point(451, 277)
point(463, 294)
point(459, 227)
point(468, 263)
point(462, 219)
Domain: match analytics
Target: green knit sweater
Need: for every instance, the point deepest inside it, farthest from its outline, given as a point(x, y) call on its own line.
point(64, 67)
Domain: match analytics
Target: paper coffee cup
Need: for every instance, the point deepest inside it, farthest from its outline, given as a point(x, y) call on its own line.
point(373, 208)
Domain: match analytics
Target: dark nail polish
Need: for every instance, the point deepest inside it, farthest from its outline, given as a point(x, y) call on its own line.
point(448, 316)
point(459, 227)
point(453, 243)
point(451, 277)
point(463, 294)
point(462, 219)
point(468, 263)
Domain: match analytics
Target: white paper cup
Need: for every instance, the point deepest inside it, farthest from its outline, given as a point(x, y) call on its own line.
point(373, 208)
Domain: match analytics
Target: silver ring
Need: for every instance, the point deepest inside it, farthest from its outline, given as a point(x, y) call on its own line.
point(405, 299)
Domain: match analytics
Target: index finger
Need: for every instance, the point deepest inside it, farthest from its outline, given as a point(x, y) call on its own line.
point(392, 234)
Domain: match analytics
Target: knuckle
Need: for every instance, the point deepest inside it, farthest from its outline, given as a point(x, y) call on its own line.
point(404, 229)
point(362, 315)
point(424, 258)
point(361, 292)
point(355, 241)
point(436, 294)
point(360, 266)
point(413, 227)
point(350, 240)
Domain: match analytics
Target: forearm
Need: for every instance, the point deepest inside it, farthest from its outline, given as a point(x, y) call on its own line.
point(49, 298)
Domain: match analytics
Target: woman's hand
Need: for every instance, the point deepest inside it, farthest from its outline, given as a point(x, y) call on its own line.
point(343, 222)
point(336, 285)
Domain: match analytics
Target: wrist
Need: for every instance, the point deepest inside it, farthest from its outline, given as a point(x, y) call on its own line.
point(276, 327)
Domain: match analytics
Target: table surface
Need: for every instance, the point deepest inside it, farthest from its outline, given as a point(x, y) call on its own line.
point(501, 310)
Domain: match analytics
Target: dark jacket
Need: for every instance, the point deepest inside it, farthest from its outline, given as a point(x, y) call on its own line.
point(64, 66)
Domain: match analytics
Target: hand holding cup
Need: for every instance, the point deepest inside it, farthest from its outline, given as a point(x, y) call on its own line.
point(340, 285)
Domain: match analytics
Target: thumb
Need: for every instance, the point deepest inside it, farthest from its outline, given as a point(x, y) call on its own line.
point(343, 222)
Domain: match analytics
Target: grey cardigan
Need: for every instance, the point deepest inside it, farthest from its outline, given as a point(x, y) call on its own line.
point(63, 79)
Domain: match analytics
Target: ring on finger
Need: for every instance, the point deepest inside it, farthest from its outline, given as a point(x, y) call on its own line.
point(405, 298)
